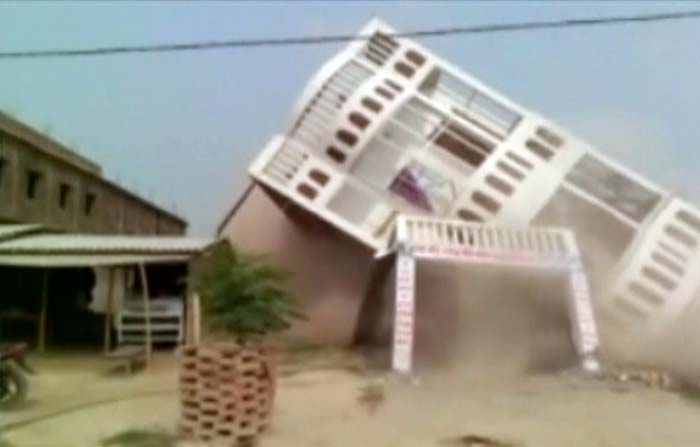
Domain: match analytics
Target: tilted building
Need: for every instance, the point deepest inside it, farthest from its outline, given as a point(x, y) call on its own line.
point(386, 128)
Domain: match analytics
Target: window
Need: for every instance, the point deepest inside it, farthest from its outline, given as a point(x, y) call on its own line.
point(359, 120)
point(64, 195)
point(469, 215)
point(469, 103)
point(393, 85)
point(89, 204)
point(658, 277)
point(613, 188)
point(486, 201)
point(499, 184)
point(423, 188)
point(688, 219)
point(668, 263)
point(463, 145)
point(319, 177)
point(415, 57)
point(372, 105)
point(386, 94)
point(539, 149)
point(307, 191)
point(404, 69)
point(511, 171)
point(672, 252)
point(519, 160)
point(550, 137)
point(346, 137)
point(33, 184)
point(335, 154)
point(680, 236)
point(646, 294)
point(630, 309)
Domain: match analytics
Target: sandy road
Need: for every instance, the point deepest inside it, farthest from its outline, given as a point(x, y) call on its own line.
point(319, 407)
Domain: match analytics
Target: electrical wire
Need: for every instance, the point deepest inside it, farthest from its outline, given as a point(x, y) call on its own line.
point(326, 39)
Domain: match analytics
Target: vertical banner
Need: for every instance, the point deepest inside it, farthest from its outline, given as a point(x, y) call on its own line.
point(404, 312)
point(583, 321)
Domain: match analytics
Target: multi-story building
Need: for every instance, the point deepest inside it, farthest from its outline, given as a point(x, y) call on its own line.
point(387, 127)
point(43, 182)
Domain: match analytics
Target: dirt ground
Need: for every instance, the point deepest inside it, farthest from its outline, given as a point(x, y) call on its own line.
point(322, 402)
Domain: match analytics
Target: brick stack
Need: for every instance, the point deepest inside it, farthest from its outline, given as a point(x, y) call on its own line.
point(226, 393)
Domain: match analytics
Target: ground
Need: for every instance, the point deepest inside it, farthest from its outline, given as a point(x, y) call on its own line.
point(328, 398)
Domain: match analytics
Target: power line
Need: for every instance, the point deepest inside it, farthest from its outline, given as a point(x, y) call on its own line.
point(324, 39)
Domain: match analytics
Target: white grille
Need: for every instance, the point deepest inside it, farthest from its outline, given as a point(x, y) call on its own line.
point(379, 49)
point(318, 116)
point(166, 316)
point(285, 164)
point(438, 232)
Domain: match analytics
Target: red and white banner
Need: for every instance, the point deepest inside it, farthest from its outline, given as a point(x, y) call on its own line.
point(402, 356)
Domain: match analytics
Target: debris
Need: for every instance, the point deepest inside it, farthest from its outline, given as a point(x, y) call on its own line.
point(372, 396)
point(657, 380)
point(475, 441)
point(644, 378)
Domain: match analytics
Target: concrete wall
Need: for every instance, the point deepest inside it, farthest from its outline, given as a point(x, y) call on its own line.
point(114, 210)
point(330, 271)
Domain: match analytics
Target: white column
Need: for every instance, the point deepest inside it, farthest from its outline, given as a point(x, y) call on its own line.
point(404, 311)
point(584, 328)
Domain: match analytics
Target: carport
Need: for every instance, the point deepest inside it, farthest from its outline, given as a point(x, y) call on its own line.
point(27, 246)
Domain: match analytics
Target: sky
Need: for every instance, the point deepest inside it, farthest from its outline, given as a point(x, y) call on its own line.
point(181, 128)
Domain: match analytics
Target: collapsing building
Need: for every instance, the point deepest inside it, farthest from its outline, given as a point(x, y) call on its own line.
point(387, 129)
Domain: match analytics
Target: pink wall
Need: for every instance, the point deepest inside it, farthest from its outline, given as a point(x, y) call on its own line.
point(330, 271)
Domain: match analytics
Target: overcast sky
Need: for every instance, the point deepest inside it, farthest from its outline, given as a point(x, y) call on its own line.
point(181, 128)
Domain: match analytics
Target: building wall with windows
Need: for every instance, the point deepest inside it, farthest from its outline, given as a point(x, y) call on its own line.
point(387, 127)
point(43, 182)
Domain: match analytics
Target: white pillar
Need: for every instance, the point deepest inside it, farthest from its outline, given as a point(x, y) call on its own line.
point(584, 329)
point(404, 311)
point(147, 313)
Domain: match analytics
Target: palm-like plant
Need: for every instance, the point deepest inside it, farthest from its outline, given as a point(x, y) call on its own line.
point(241, 294)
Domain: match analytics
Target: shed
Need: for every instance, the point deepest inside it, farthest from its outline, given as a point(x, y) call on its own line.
point(27, 246)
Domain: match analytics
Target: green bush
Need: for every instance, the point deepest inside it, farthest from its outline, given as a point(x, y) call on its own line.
point(241, 294)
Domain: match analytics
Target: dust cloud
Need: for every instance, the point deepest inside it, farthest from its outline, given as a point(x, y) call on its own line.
point(498, 323)
point(491, 322)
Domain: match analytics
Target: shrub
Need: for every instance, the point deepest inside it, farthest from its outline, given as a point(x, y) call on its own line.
point(241, 294)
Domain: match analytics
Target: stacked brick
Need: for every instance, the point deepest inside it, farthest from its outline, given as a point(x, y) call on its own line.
point(226, 393)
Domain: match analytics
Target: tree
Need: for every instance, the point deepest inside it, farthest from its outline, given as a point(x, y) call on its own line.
point(241, 294)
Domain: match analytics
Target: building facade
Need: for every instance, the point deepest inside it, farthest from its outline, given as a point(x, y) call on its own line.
point(43, 182)
point(387, 127)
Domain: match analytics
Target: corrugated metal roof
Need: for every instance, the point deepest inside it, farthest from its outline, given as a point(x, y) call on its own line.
point(87, 260)
point(67, 244)
point(10, 231)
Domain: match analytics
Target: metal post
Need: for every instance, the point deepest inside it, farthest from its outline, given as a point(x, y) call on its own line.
point(108, 312)
point(147, 311)
point(41, 338)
